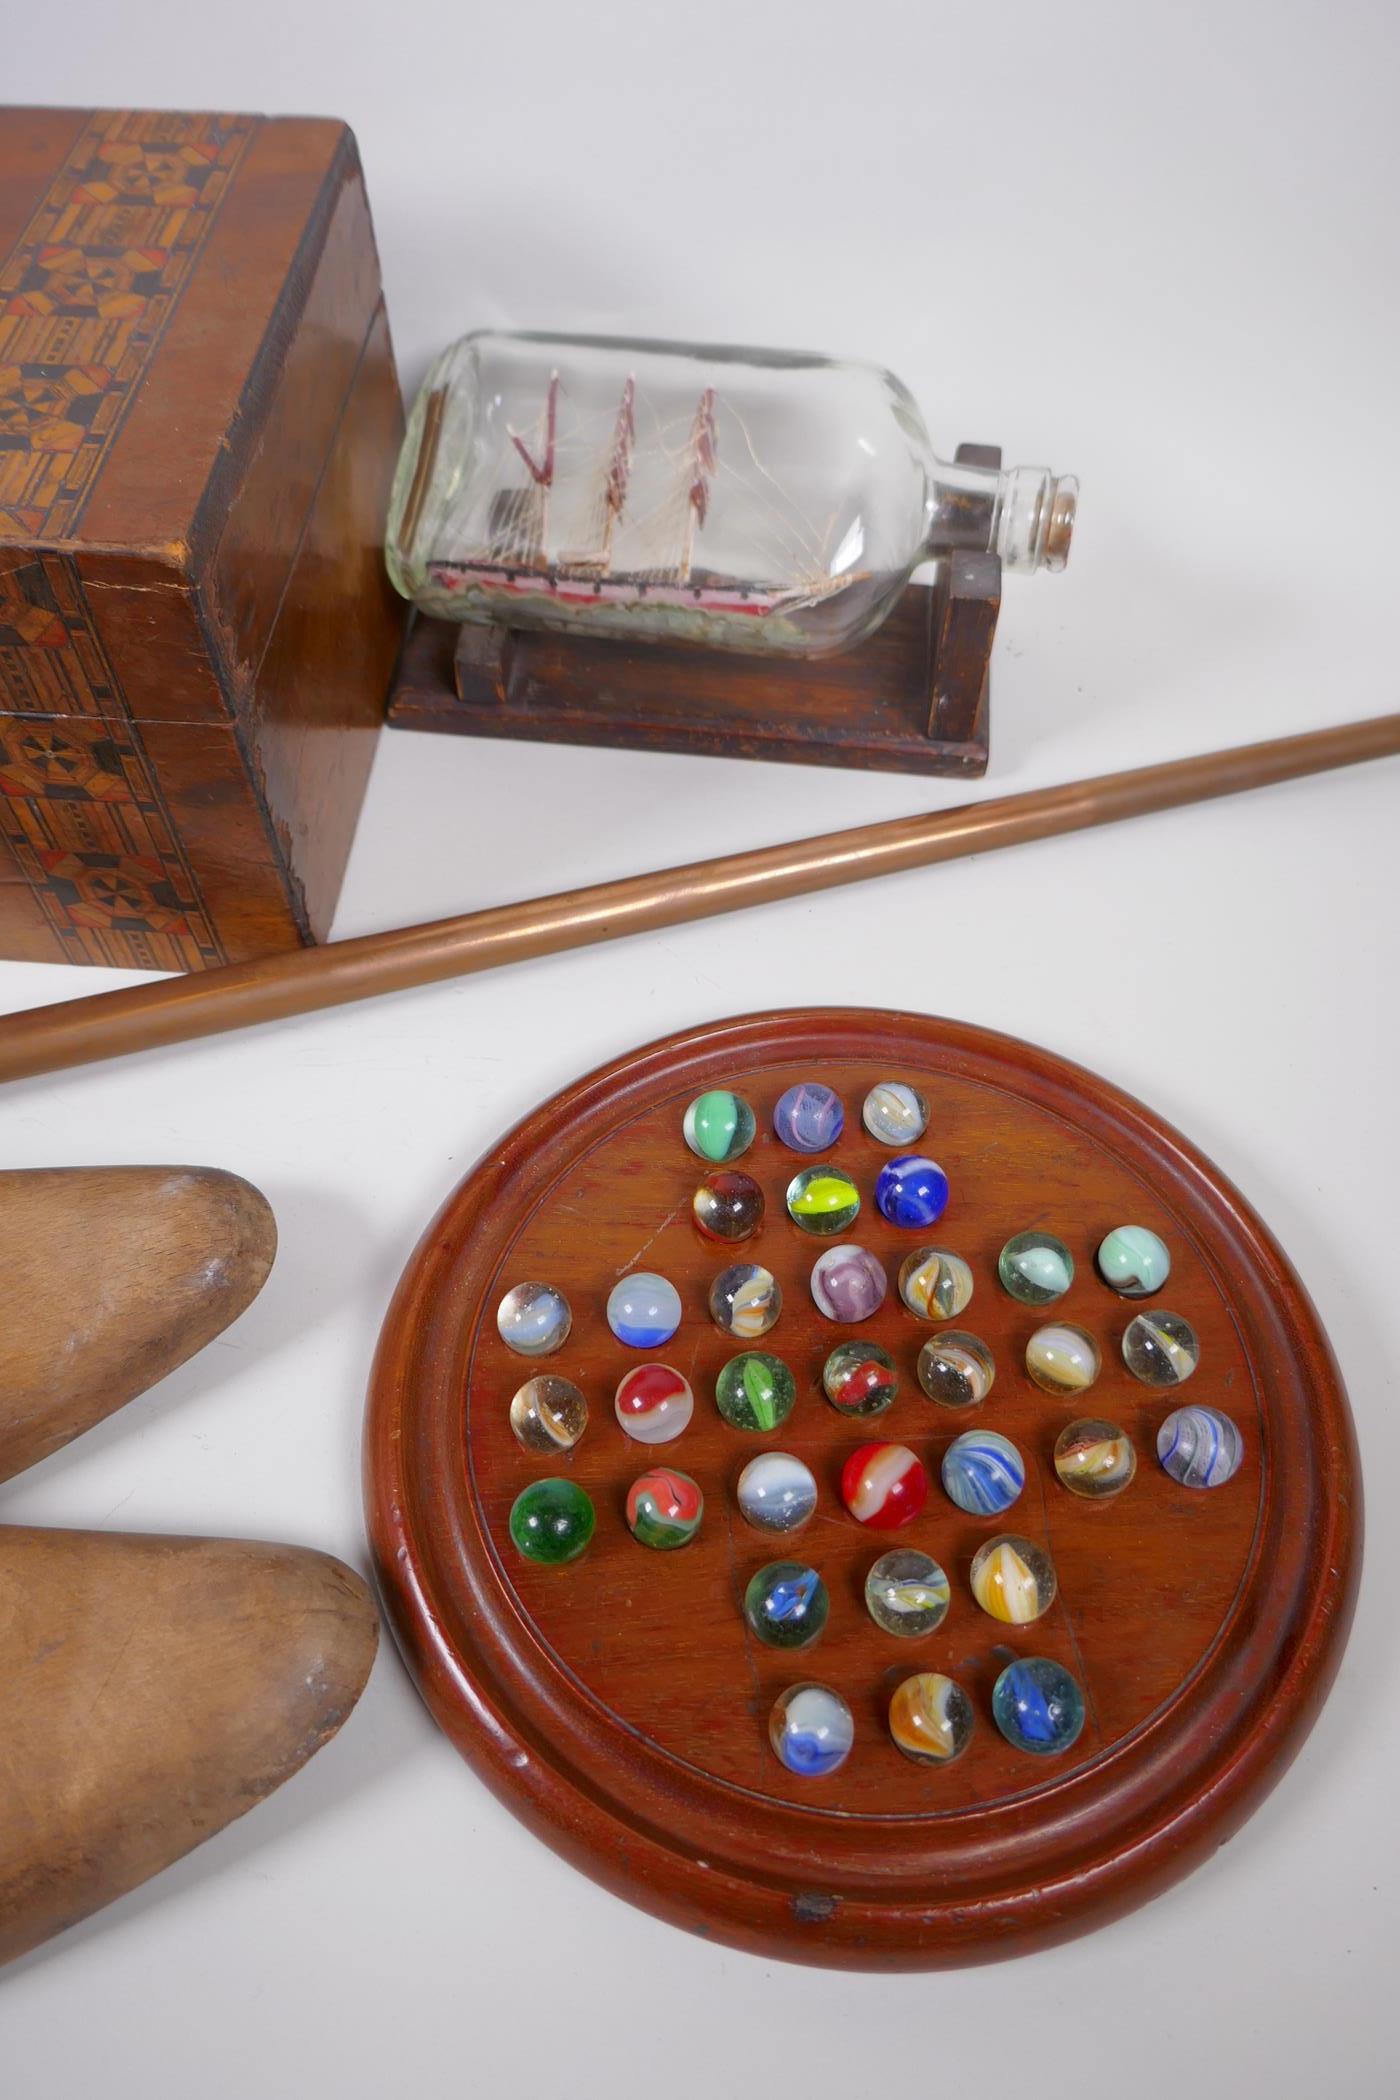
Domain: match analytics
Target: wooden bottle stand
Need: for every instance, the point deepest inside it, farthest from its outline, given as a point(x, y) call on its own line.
point(912, 698)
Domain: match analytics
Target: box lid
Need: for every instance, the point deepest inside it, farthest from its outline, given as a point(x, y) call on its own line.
point(153, 271)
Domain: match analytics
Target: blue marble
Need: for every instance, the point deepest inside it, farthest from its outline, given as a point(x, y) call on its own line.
point(912, 1191)
point(1038, 1706)
point(644, 1310)
point(811, 1730)
point(983, 1472)
point(1200, 1447)
point(786, 1604)
point(809, 1117)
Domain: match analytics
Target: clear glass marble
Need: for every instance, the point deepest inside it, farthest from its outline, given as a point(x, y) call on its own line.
point(1160, 1348)
point(907, 1593)
point(548, 1414)
point(753, 499)
point(956, 1369)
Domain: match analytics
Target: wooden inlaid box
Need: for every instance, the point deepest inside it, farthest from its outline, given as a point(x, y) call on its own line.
point(199, 417)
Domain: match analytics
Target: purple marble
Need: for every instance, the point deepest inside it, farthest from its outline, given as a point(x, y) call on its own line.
point(809, 1117)
point(848, 1283)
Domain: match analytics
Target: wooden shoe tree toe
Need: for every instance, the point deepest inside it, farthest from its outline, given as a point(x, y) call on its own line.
point(152, 1690)
point(113, 1277)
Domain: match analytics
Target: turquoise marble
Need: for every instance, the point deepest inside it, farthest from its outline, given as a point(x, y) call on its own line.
point(1133, 1261)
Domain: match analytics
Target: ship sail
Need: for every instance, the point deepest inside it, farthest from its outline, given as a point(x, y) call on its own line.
point(703, 454)
point(523, 528)
point(611, 499)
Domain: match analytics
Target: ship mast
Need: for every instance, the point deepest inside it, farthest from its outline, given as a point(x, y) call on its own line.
point(702, 467)
point(619, 467)
point(541, 471)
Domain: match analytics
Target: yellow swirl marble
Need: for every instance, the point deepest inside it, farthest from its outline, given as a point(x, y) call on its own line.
point(1013, 1580)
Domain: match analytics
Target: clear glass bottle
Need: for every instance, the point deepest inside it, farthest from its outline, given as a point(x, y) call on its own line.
point(749, 499)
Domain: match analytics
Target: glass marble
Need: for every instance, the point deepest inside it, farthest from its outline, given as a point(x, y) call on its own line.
point(1038, 1706)
point(1013, 1579)
point(654, 1404)
point(809, 1118)
point(548, 1414)
point(859, 1379)
point(1062, 1359)
point(1094, 1459)
point(776, 1492)
point(931, 1718)
point(811, 1730)
point(1160, 1348)
point(934, 1284)
point(1133, 1261)
point(786, 1604)
point(983, 1472)
point(1200, 1447)
point(534, 1319)
point(848, 1283)
point(746, 1300)
point(1035, 1267)
point(728, 1205)
point(755, 1391)
point(884, 1485)
point(664, 1509)
point(644, 1310)
point(551, 1521)
point(895, 1114)
point(822, 1200)
point(907, 1594)
point(956, 1369)
point(911, 1191)
point(719, 1126)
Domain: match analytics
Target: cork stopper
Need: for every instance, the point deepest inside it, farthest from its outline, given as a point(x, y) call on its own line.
point(1035, 518)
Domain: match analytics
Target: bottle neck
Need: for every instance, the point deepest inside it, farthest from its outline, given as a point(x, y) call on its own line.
point(1024, 514)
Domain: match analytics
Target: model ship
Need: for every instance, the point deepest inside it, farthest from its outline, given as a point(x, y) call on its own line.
point(519, 559)
point(767, 501)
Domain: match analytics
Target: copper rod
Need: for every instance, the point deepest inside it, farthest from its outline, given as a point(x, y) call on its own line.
point(112, 1024)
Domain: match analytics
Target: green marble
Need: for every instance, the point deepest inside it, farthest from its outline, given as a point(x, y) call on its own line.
point(755, 1391)
point(551, 1521)
point(719, 1125)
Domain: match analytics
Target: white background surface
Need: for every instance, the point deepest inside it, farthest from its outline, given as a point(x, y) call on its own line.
point(1158, 249)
